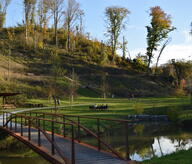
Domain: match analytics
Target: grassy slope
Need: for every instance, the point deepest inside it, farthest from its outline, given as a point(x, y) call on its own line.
point(182, 157)
point(120, 82)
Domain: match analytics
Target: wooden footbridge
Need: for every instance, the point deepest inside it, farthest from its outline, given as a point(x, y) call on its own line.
point(59, 138)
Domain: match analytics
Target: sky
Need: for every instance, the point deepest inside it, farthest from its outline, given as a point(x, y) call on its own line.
point(135, 33)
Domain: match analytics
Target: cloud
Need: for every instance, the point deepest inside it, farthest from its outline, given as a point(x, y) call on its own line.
point(187, 36)
point(176, 51)
point(180, 51)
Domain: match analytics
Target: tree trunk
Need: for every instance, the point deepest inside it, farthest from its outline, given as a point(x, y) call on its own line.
point(161, 51)
point(55, 30)
point(68, 38)
point(149, 63)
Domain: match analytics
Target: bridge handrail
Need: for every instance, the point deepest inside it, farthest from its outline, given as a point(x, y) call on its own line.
point(55, 144)
point(88, 130)
point(88, 117)
point(98, 138)
point(31, 118)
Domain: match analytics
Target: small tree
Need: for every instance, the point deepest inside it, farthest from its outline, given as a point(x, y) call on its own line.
point(104, 85)
point(189, 86)
point(56, 7)
point(183, 70)
point(43, 15)
point(161, 51)
point(72, 14)
point(158, 31)
point(124, 47)
point(73, 86)
point(29, 12)
point(3, 10)
point(57, 72)
point(115, 19)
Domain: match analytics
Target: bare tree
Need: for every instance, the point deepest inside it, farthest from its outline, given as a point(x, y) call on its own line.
point(161, 51)
point(104, 85)
point(124, 47)
point(29, 10)
point(3, 11)
point(43, 16)
point(72, 14)
point(115, 19)
point(42, 13)
point(81, 22)
point(56, 8)
point(73, 87)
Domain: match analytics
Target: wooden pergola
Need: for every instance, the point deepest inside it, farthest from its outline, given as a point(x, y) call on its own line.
point(5, 95)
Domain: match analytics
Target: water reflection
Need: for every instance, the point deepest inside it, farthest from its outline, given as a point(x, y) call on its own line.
point(146, 140)
point(160, 147)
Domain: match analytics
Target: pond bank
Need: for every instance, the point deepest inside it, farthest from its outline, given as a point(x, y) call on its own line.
point(181, 157)
point(148, 118)
point(15, 152)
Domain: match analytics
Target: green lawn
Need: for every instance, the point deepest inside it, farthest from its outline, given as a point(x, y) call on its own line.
point(182, 157)
point(119, 108)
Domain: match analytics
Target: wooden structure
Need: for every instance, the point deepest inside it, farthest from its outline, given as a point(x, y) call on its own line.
point(58, 138)
point(6, 105)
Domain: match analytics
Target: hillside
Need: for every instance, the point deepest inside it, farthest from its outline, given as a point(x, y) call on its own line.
point(34, 76)
point(39, 68)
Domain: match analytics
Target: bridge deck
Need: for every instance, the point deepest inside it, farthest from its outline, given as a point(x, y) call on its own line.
point(83, 153)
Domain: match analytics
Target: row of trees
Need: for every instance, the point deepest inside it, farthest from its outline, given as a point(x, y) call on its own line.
point(3, 10)
point(40, 14)
point(55, 11)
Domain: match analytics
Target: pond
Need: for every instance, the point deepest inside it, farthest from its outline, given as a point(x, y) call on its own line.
point(147, 140)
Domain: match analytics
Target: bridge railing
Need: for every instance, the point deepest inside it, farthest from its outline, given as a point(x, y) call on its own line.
point(79, 121)
point(21, 122)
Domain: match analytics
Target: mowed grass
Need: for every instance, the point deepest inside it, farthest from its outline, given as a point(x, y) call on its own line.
point(118, 107)
point(181, 157)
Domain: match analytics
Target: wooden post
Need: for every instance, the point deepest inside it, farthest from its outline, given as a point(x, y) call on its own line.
point(15, 123)
point(98, 134)
point(127, 142)
point(43, 121)
point(53, 145)
point(25, 119)
point(72, 146)
point(39, 133)
point(78, 133)
point(11, 122)
point(3, 101)
point(21, 126)
point(7, 118)
point(36, 119)
point(29, 129)
point(64, 134)
point(3, 119)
